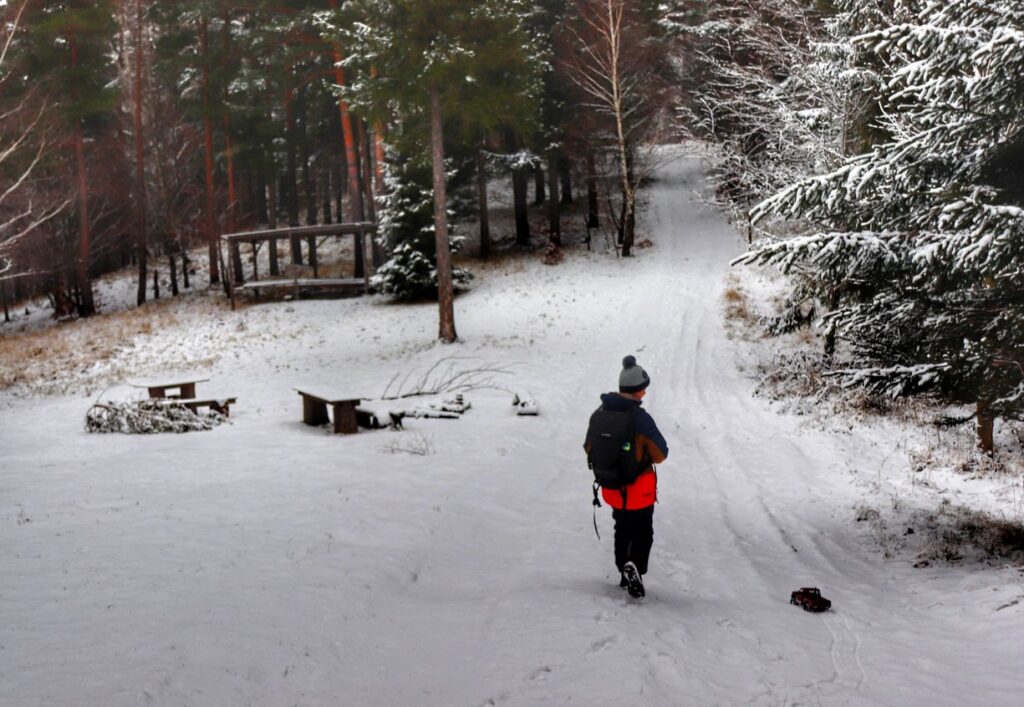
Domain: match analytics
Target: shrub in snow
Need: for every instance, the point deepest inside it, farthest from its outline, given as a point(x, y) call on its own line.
point(148, 417)
point(407, 227)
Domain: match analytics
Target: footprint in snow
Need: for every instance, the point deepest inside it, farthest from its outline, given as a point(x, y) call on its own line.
point(540, 673)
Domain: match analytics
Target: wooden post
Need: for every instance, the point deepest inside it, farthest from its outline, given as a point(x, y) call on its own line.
point(314, 412)
point(345, 417)
point(255, 260)
point(274, 267)
point(311, 242)
point(236, 261)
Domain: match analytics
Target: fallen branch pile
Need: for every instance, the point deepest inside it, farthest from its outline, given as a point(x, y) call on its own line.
point(148, 417)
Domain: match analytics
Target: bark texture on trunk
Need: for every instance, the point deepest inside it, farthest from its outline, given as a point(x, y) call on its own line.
point(140, 166)
point(87, 306)
point(565, 173)
point(520, 180)
point(351, 158)
point(445, 296)
point(210, 222)
point(554, 204)
point(481, 193)
point(593, 220)
point(173, 268)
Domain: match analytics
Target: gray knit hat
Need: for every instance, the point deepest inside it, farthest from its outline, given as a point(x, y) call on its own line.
point(633, 379)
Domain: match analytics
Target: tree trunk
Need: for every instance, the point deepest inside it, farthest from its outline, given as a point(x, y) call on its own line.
point(554, 205)
point(378, 150)
point(538, 185)
point(378, 159)
point(291, 181)
point(325, 195)
point(307, 181)
point(627, 223)
point(3, 296)
point(229, 150)
point(87, 306)
point(593, 221)
point(184, 269)
point(261, 197)
point(376, 252)
point(275, 268)
point(481, 194)
point(445, 296)
point(156, 285)
point(292, 176)
point(629, 227)
point(174, 274)
point(351, 158)
point(565, 173)
point(210, 216)
point(519, 185)
point(140, 167)
point(272, 203)
point(986, 427)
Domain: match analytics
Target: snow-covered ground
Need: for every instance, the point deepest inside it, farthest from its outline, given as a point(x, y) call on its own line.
point(270, 563)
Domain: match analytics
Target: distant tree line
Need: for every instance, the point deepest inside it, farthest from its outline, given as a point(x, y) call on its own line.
point(133, 131)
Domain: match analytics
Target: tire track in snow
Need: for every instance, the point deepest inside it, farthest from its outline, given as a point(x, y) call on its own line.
point(845, 653)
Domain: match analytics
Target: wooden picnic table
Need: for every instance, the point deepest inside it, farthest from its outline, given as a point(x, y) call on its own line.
point(314, 409)
point(186, 387)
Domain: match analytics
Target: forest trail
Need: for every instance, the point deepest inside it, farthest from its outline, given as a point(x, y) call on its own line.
point(269, 563)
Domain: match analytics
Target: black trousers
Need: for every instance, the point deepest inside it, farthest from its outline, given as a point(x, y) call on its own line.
point(634, 535)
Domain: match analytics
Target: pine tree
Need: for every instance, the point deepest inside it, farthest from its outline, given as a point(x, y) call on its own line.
point(445, 67)
point(407, 226)
point(918, 241)
point(70, 53)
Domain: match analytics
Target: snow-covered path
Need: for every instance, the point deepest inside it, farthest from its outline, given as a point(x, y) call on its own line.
point(268, 563)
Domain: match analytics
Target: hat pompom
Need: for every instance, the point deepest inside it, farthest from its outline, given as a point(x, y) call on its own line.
point(629, 362)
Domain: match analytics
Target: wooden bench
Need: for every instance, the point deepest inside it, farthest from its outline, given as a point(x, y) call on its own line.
point(314, 410)
point(302, 285)
point(221, 405)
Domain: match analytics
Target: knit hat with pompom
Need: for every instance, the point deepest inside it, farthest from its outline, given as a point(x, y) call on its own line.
point(633, 379)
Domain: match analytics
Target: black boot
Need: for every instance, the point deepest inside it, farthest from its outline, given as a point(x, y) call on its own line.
point(634, 585)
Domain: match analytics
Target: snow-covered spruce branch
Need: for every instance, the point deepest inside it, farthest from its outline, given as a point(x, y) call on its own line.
point(852, 253)
point(892, 381)
point(447, 375)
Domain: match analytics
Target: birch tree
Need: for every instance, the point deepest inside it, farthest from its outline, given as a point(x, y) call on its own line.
point(618, 64)
point(23, 144)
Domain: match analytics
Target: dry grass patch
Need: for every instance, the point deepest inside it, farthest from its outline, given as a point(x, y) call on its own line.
point(70, 349)
point(737, 305)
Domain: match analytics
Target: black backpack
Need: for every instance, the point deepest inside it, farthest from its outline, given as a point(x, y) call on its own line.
point(611, 437)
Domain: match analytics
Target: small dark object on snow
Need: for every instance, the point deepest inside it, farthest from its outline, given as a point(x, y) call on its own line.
point(810, 599)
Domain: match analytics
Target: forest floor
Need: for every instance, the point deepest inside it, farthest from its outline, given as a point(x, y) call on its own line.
point(454, 563)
